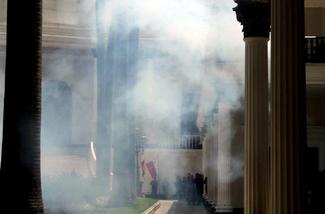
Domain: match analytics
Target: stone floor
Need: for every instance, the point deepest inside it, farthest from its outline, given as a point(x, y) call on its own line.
point(179, 207)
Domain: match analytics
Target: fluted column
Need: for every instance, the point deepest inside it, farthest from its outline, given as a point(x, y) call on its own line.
point(223, 160)
point(211, 152)
point(207, 145)
point(213, 168)
point(214, 152)
point(204, 159)
point(288, 121)
point(255, 18)
point(256, 127)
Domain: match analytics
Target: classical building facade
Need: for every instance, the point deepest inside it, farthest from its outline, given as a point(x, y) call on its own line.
point(279, 164)
point(72, 83)
point(68, 78)
point(252, 155)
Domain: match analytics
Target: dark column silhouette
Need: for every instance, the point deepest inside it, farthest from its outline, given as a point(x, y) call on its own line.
point(20, 164)
point(121, 63)
point(288, 108)
point(104, 85)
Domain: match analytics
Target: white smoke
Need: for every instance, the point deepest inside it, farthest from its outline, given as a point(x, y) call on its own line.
point(186, 46)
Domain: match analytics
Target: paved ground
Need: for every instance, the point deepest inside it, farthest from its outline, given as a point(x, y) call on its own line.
point(179, 207)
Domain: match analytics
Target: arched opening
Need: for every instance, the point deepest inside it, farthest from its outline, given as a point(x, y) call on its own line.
point(56, 115)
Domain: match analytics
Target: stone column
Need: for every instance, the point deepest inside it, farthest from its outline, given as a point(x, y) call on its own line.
point(210, 142)
point(255, 18)
point(223, 160)
point(288, 103)
point(205, 152)
point(204, 158)
point(103, 144)
point(205, 161)
point(212, 167)
point(214, 153)
point(211, 164)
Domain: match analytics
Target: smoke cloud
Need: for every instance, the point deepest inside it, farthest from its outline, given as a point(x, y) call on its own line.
point(198, 50)
point(186, 47)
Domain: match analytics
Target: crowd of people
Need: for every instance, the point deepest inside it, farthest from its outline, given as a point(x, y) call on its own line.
point(190, 188)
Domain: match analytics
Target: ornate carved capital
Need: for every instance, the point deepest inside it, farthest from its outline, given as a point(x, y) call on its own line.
point(254, 16)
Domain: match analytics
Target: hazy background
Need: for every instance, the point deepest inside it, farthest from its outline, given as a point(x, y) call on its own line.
point(187, 48)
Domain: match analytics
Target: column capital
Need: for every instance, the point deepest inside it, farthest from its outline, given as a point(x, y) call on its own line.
point(254, 16)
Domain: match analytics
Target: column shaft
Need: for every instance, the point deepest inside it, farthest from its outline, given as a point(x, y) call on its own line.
point(223, 161)
point(204, 159)
point(215, 161)
point(208, 158)
point(255, 18)
point(256, 125)
point(212, 166)
point(288, 122)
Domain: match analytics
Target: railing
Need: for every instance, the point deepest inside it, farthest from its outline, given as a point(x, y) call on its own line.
point(185, 142)
point(315, 49)
point(190, 142)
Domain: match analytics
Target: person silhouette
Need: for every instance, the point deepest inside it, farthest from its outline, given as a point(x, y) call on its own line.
point(154, 187)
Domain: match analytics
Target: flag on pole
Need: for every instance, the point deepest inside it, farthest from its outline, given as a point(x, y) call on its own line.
point(152, 169)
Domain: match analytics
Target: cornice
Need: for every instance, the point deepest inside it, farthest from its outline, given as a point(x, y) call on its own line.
point(68, 36)
point(79, 37)
point(62, 36)
point(314, 3)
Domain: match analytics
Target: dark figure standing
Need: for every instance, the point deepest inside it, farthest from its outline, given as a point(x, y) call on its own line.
point(206, 185)
point(190, 190)
point(165, 188)
point(184, 188)
point(178, 185)
point(154, 187)
point(199, 182)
